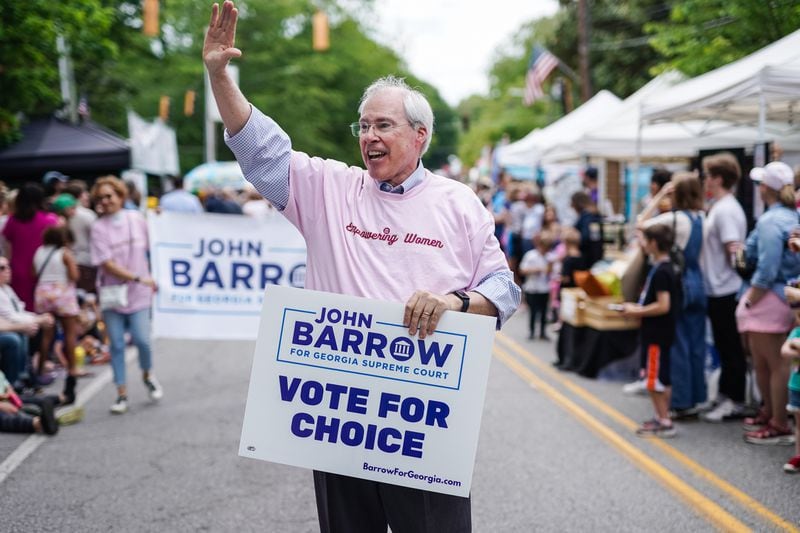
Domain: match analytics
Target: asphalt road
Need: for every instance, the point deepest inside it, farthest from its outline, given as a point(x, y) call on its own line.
point(557, 453)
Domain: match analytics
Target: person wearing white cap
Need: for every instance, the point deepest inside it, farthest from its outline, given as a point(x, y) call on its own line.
point(763, 315)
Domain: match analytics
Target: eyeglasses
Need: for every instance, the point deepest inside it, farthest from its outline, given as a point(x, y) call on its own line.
point(381, 128)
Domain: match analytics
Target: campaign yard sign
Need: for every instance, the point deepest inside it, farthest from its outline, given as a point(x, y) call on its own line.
point(211, 271)
point(338, 385)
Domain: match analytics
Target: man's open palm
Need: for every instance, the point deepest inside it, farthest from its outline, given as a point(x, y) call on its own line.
point(218, 47)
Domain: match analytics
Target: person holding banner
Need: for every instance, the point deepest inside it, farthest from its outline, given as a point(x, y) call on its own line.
point(119, 247)
point(366, 237)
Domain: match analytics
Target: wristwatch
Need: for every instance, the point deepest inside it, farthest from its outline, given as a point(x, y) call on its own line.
point(464, 297)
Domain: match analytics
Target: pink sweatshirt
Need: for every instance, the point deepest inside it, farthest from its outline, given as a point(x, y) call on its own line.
point(365, 242)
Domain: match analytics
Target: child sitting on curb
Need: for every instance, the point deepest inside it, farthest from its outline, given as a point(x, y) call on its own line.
point(657, 307)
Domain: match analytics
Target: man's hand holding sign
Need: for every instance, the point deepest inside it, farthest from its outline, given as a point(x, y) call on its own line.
point(365, 238)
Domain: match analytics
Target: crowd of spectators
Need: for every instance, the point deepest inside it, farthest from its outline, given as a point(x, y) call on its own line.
point(744, 287)
point(62, 242)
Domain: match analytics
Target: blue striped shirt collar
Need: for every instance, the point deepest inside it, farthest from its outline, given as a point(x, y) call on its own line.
point(410, 182)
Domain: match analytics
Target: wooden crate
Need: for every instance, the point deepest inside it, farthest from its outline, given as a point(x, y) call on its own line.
point(571, 310)
point(597, 315)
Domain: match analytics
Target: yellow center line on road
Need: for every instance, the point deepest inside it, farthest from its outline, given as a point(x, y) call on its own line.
point(741, 497)
point(715, 514)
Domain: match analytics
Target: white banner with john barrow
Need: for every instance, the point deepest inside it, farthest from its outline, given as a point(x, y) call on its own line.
point(338, 385)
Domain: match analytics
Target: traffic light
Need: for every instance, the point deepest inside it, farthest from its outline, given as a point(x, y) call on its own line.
point(150, 15)
point(163, 108)
point(188, 103)
point(320, 32)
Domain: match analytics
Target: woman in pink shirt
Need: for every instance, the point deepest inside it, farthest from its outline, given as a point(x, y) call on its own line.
point(23, 231)
point(119, 249)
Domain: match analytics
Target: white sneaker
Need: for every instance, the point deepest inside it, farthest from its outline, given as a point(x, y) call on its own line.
point(120, 406)
point(726, 410)
point(154, 388)
point(635, 388)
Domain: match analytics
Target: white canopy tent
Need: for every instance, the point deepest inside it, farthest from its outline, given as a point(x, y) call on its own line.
point(762, 90)
point(527, 151)
point(617, 138)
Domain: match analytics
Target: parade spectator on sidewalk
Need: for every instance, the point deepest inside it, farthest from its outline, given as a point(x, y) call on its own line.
point(23, 232)
point(12, 309)
point(80, 219)
point(255, 206)
point(119, 249)
point(689, 349)
point(320, 197)
point(590, 226)
point(572, 260)
point(57, 272)
point(763, 314)
point(223, 202)
point(501, 202)
point(724, 231)
point(521, 202)
point(5, 211)
point(14, 339)
point(661, 176)
point(536, 268)
point(54, 183)
point(657, 307)
point(791, 351)
point(180, 200)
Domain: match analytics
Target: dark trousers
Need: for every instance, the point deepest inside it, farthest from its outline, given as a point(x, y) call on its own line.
point(687, 359)
point(733, 367)
point(18, 423)
point(350, 505)
point(537, 307)
point(13, 355)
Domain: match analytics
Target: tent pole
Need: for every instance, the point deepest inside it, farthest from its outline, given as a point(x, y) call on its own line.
point(760, 152)
point(637, 163)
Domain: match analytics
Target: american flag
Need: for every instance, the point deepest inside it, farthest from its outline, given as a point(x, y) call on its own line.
point(541, 65)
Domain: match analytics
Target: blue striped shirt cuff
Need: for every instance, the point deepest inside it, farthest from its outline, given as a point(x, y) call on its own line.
point(263, 151)
point(500, 289)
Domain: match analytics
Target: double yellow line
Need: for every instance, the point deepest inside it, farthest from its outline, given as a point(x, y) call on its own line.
point(704, 506)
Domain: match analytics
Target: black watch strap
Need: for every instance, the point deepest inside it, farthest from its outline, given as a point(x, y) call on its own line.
point(464, 297)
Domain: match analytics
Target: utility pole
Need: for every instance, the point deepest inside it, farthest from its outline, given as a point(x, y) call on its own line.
point(583, 49)
point(67, 78)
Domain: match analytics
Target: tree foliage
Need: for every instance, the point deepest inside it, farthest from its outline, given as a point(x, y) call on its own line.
point(29, 81)
point(702, 35)
point(312, 95)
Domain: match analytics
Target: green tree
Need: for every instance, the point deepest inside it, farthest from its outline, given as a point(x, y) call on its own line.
point(702, 35)
point(29, 82)
point(314, 96)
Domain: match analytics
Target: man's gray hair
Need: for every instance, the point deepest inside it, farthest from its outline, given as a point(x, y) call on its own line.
point(418, 110)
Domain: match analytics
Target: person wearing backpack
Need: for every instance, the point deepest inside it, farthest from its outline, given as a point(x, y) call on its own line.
point(688, 353)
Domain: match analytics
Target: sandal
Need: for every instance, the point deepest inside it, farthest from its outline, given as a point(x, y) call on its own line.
point(754, 423)
point(770, 434)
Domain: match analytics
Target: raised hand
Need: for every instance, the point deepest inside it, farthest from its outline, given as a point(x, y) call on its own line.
point(218, 48)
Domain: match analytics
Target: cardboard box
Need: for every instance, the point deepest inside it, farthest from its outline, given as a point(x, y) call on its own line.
point(572, 308)
point(597, 315)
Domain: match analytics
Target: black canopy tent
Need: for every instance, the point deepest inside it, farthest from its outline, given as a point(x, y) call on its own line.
point(82, 150)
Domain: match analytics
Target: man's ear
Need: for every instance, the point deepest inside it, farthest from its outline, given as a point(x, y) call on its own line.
point(422, 135)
